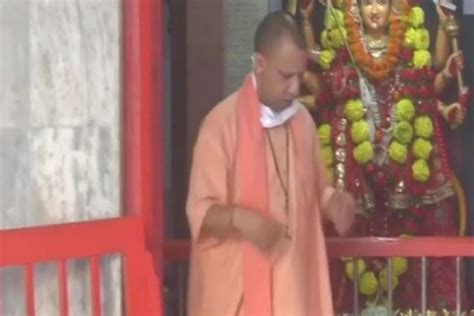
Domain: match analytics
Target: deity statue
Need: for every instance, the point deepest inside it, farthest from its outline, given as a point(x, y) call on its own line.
point(380, 122)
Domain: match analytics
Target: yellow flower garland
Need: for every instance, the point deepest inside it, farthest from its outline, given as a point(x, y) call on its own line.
point(424, 126)
point(326, 58)
point(403, 132)
point(325, 41)
point(338, 37)
point(383, 279)
point(349, 268)
point(328, 156)
point(354, 110)
point(405, 110)
point(422, 59)
point(416, 37)
point(363, 153)
point(368, 283)
point(333, 18)
point(398, 152)
point(400, 265)
point(421, 171)
point(324, 134)
point(422, 148)
point(422, 41)
point(416, 17)
point(360, 131)
point(410, 37)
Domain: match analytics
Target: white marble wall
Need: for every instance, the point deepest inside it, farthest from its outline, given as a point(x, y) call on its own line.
point(241, 18)
point(60, 111)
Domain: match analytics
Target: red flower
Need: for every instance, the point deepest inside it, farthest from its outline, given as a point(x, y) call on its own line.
point(352, 74)
point(381, 179)
point(325, 97)
point(406, 54)
point(423, 74)
point(408, 74)
point(343, 55)
point(354, 93)
point(426, 107)
point(407, 91)
point(326, 116)
point(425, 91)
point(419, 212)
point(418, 189)
point(431, 73)
point(411, 226)
point(395, 170)
point(415, 2)
point(464, 98)
point(370, 168)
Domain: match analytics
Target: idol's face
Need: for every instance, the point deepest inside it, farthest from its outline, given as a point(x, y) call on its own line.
point(375, 14)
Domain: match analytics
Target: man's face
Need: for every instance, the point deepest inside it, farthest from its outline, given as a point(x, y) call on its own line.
point(279, 74)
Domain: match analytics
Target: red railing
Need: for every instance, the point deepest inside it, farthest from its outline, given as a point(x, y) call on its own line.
point(415, 247)
point(59, 243)
point(178, 250)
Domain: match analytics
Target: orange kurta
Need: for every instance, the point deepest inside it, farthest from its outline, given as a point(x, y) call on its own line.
point(299, 274)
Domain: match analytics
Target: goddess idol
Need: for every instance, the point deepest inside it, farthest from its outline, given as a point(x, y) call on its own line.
point(381, 127)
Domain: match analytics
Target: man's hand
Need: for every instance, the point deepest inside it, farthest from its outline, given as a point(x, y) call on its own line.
point(341, 212)
point(261, 230)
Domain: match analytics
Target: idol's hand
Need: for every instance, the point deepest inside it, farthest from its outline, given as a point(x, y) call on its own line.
point(308, 10)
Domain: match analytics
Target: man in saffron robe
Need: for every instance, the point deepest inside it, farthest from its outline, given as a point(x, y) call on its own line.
point(258, 193)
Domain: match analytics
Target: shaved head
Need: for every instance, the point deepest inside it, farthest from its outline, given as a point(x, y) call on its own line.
point(275, 27)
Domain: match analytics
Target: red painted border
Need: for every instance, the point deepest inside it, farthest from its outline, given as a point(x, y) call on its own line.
point(178, 250)
point(74, 240)
point(142, 182)
point(143, 112)
point(93, 239)
point(131, 108)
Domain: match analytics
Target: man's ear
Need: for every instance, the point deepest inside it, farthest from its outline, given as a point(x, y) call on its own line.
point(259, 62)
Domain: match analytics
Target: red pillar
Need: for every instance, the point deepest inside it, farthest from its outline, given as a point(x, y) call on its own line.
point(143, 113)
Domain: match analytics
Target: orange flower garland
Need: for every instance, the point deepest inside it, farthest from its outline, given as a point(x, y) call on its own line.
point(376, 69)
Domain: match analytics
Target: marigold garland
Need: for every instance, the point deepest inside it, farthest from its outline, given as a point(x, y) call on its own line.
point(376, 69)
point(412, 145)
